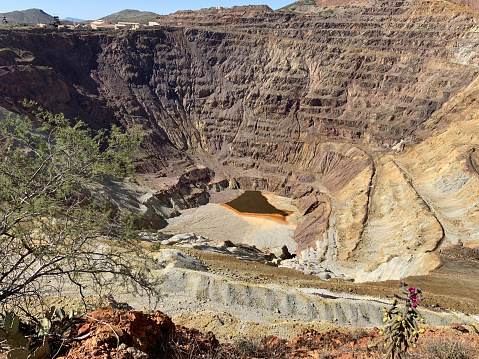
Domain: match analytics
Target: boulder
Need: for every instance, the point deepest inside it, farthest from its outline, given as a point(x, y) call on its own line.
point(281, 252)
point(136, 334)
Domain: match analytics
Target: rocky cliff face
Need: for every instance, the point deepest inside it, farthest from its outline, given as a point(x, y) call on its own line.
point(364, 112)
point(471, 3)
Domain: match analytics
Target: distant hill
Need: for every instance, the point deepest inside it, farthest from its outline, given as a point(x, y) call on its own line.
point(131, 16)
point(328, 2)
point(72, 19)
point(321, 3)
point(30, 16)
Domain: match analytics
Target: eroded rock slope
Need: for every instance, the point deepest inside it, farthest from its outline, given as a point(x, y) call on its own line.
point(363, 112)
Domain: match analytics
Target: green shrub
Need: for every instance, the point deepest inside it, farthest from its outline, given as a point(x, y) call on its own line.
point(52, 231)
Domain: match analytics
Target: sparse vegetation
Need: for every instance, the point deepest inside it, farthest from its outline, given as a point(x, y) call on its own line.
point(53, 232)
point(53, 324)
point(402, 330)
point(142, 17)
point(30, 16)
point(247, 347)
point(445, 348)
point(306, 2)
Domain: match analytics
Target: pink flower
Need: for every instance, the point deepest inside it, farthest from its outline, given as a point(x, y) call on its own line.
point(414, 299)
point(412, 290)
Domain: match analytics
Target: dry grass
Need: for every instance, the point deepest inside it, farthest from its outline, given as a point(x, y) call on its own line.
point(247, 347)
point(446, 347)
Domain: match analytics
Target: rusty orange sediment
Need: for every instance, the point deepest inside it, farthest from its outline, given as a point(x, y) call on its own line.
point(275, 217)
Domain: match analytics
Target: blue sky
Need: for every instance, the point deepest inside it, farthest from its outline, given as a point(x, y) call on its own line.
point(95, 9)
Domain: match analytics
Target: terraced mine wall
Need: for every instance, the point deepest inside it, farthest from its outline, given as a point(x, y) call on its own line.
point(363, 114)
point(295, 304)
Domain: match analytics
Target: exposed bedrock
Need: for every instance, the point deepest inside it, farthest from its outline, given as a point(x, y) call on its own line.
point(366, 115)
point(296, 304)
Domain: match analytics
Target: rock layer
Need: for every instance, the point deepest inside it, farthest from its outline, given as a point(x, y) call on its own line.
point(363, 112)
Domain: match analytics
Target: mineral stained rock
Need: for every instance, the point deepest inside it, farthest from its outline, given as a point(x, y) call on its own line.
point(365, 112)
point(127, 333)
point(122, 334)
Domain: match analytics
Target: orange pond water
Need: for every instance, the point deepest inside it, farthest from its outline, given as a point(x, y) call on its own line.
point(253, 203)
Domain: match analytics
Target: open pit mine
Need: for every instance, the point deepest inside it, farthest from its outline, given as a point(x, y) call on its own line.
point(352, 128)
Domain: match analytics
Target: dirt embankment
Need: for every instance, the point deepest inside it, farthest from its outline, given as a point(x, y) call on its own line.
point(129, 334)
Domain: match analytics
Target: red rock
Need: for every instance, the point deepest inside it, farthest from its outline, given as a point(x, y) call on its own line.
point(147, 333)
point(347, 356)
point(150, 335)
point(459, 328)
point(273, 343)
point(84, 330)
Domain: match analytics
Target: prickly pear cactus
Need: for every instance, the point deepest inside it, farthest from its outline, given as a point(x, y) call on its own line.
point(11, 333)
point(18, 353)
point(17, 341)
point(49, 313)
point(41, 352)
point(43, 326)
point(401, 330)
point(60, 313)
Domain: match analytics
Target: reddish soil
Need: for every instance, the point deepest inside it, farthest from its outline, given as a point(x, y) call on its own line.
point(130, 334)
point(120, 334)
